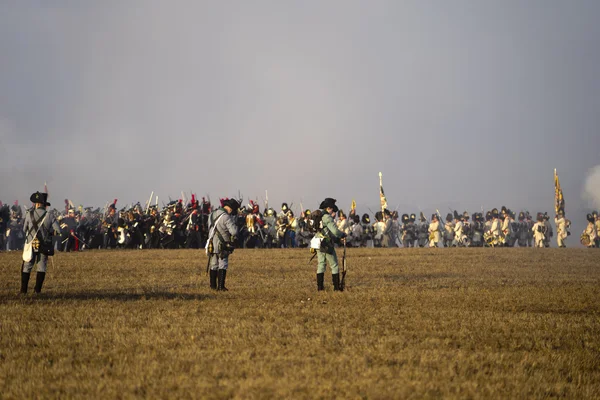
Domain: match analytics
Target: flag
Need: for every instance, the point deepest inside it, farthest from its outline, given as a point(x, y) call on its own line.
point(559, 200)
point(382, 198)
point(353, 206)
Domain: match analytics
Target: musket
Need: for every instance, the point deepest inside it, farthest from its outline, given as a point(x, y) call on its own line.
point(149, 201)
point(78, 238)
point(344, 268)
point(266, 200)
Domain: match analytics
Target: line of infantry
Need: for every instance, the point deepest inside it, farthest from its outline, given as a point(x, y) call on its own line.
point(185, 225)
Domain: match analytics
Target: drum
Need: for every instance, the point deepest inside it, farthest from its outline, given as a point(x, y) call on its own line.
point(585, 239)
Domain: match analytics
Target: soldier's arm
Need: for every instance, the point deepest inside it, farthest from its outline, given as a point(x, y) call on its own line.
point(231, 226)
point(55, 226)
point(26, 223)
point(331, 227)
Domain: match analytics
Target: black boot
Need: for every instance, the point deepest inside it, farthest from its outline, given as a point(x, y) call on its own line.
point(320, 278)
point(39, 281)
point(213, 279)
point(24, 281)
point(222, 273)
point(336, 282)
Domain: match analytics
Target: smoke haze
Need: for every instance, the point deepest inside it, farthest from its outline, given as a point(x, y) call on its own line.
point(461, 105)
point(592, 187)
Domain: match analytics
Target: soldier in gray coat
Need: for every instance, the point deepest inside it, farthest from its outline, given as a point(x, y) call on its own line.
point(222, 234)
point(39, 227)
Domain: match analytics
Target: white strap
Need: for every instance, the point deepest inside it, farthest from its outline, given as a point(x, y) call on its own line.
point(211, 233)
point(39, 227)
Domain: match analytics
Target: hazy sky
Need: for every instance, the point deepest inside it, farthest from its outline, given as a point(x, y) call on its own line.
point(460, 104)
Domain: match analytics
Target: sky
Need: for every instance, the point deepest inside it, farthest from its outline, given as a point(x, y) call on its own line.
point(461, 105)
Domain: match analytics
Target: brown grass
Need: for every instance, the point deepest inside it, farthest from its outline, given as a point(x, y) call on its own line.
point(413, 323)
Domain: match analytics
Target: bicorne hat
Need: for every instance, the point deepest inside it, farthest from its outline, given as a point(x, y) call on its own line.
point(329, 202)
point(41, 198)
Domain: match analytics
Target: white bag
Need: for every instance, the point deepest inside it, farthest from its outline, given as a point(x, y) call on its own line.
point(27, 252)
point(315, 243)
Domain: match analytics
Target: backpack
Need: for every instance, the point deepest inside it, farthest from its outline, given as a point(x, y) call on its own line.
point(315, 223)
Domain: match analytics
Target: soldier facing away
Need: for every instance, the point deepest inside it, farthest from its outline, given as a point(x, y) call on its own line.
point(221, 237)
point(39, 226)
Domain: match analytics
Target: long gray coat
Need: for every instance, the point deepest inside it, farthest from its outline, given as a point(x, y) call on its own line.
point(46, 229)
point(225, 226)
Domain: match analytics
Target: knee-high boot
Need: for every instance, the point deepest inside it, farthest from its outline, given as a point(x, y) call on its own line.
point(213, 279)
point(39, 281)
point(320, 278)
point(222, 273)
point(336, 281)
point(24, 281)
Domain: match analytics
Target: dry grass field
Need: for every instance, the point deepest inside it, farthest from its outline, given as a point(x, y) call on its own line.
point(413, 323)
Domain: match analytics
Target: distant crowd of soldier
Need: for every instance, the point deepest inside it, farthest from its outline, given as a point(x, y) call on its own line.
point(180, 224)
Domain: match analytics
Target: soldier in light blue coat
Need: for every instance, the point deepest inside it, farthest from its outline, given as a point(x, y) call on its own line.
point(39, 227)
point(221, 238)
point(330, 235)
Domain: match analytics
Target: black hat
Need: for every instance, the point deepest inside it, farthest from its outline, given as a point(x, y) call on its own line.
point(365, 218)
point(413, 217)
point(590, 218)
point(434, 216)
point(41, 198)
point(405, 217)
point(329, 202)
point(449, 217)
point(284, 206)
point(233, 204)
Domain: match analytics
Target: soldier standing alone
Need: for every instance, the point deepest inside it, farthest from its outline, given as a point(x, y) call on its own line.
point(329, 234)
point(39, 227)
point(221, 237)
